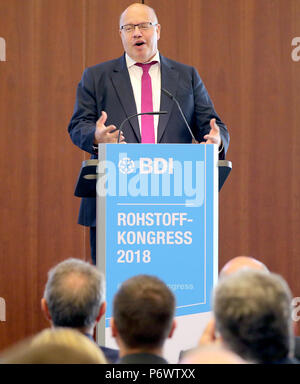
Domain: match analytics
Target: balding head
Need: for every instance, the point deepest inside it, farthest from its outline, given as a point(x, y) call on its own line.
point(137, 8)
point(73, 294)
point(240, 262)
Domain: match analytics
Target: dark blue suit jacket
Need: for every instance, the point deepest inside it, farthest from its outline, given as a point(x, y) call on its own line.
point(142, 358)
point(107, 87)
point(111, 355)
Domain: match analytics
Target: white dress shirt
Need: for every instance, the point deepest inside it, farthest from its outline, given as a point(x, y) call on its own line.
point(135, 74)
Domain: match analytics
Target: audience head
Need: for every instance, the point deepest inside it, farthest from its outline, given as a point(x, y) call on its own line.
point(239, 262)
point(74, 295)
point(143, 313)
point(252, 310)
point(55, 346)
point(211, 354)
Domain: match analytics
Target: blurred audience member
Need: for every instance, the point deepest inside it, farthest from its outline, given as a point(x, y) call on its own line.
point(74, 298)
point(55, 346)
point(253, 316)
point(239, 262)
point(212, 354)
point(233, 265)
point(143, 318)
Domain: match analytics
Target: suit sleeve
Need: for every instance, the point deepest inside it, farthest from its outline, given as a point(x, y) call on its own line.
point(83, 122)
point(204, 111)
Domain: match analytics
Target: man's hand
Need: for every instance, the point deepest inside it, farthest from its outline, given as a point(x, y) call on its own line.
point(107, 134)
point(214, 134)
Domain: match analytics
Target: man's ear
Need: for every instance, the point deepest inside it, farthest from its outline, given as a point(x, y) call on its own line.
point(174, 325)
point(45, 309)
point(158, 29)
point(114, 331)
point(101, 311)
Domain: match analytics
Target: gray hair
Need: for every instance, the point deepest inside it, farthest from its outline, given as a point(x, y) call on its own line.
point(253, 312)
point(74, 293)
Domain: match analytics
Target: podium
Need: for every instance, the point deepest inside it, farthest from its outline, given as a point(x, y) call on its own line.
point(157, 214)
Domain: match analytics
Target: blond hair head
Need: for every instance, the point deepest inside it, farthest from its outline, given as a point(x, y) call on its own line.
point(54, 346)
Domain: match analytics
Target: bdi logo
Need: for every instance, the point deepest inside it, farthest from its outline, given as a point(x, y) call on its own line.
point(296, 51)
point(2, 309)
point(2, 49)
point(158, 165)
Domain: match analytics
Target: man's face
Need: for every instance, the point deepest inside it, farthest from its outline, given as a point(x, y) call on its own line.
point(140, 45)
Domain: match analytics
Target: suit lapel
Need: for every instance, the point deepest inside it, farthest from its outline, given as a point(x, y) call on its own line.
point(169, 81)
point(121, 82)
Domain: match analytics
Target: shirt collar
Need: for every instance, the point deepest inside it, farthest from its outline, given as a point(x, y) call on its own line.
point(130, 62)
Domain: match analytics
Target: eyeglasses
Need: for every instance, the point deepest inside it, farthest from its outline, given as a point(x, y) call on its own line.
point(142, 26)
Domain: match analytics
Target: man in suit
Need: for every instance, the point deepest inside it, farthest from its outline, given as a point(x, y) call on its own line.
point(110, 92)
point(143, 318)
point(74, 298)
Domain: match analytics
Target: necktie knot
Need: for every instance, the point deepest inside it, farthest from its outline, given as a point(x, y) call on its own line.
point(146, 67)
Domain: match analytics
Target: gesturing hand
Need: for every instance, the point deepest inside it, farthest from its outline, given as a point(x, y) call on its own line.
point(214, 134)
point(106, 134)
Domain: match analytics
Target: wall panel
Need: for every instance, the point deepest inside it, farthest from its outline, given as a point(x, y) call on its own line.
point(102, 30)
point(39, 163)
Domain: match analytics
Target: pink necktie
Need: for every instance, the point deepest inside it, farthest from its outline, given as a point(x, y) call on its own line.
point(147, 105)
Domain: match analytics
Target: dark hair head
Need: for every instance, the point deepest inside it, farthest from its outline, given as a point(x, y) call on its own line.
point(143, 311)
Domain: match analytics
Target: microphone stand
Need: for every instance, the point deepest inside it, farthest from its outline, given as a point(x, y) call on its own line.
point(135, 115)
point(181, 112)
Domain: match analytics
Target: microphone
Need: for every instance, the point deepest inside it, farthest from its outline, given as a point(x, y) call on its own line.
point(135, 115)
point(180, 110)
